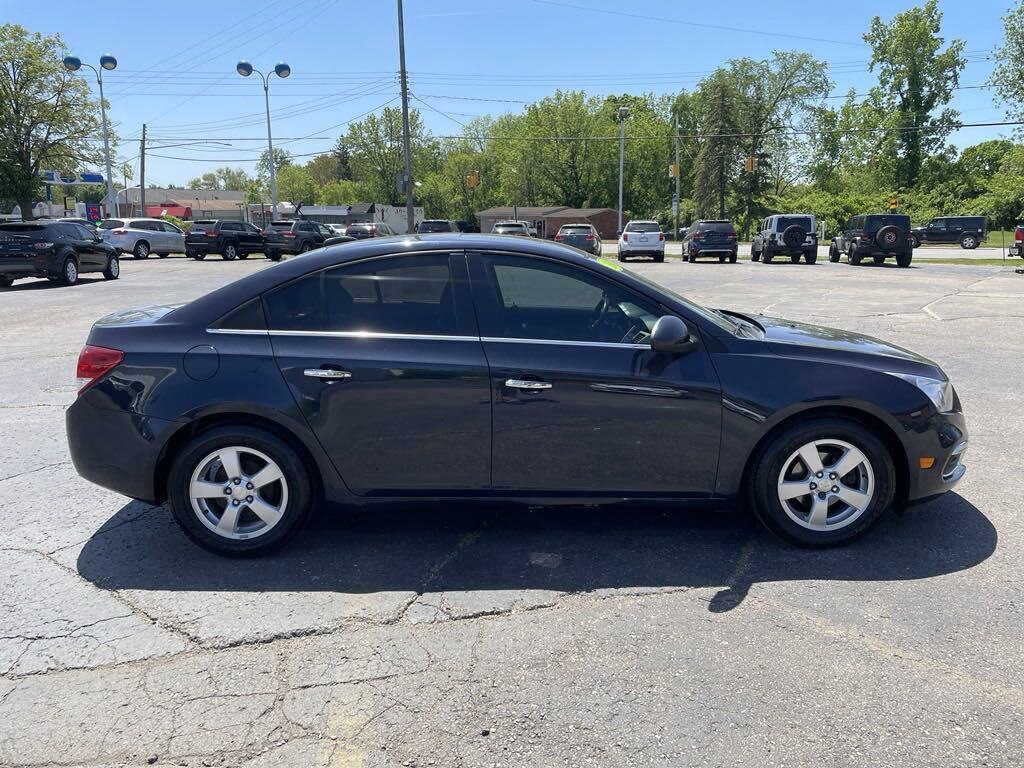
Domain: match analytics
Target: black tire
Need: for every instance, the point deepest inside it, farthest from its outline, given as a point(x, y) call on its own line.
point(854, 257)
point(879, 260)
point(732, 258)
point(620, 257)
point(811, 256)
point(189, 253)
point(113, 269)
point(721, 259)
point(273, 255)
point(199, 256)
point(296, 475)
point(68, 272)
point(766, 469)
point(243, 254)
point(230, 252)
point(659, 258)
point(887, 237)
point(767, 256)
point(794, 258)
point(141, 250)
point(692, 258)
point(969, 242)
point(833, 253)
point(904, 259)
point(162, 255)
point(913, 241)
point(6, 282)
point(306, 248)
point(793, 236)
point(754, 255)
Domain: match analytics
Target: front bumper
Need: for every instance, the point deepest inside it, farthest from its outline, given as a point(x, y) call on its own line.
point(118, 450)
point(943, 440)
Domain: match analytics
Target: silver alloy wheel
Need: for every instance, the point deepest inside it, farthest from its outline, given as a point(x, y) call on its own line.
point(114, 266)
point(70, 271)
point(238, 492)
point(141, 250)
point(230, 252)
point(826, 485)
point(969, 242)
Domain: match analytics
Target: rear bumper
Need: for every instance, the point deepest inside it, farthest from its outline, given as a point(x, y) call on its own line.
point(117, 450)
point(28, 266)
point(282, 247)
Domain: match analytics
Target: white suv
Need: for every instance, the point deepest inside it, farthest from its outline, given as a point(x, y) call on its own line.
point(787, 234)
point(642, 238)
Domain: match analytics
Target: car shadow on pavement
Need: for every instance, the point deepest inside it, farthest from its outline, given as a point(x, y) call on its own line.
point(431, 547)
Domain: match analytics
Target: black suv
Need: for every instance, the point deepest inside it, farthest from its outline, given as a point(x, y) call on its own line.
point(293, 237)
point(57, 250)
point(231, 239)
point(790, 235)
point(878, 235)
point(969, 231)
point(711, 237)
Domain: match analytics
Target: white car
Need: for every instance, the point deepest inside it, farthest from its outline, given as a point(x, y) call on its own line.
point(141, 237)
point(642, 238)
point(519, 228)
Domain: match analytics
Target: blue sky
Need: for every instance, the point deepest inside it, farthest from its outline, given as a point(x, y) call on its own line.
point(177, 74)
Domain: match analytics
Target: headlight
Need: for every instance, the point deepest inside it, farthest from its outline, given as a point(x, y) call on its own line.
point(939, 391)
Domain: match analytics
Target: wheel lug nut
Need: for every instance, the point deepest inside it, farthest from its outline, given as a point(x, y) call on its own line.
point(831, 475)
point(821, 495)
point(248, 499)
point(835, 489)
point(227, 491)
point(237, 480)
point(249, 486)
point(814, 486)
point(234, 502)
point(821, 474)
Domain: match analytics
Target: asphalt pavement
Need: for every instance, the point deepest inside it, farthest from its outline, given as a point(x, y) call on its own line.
point(493, 635)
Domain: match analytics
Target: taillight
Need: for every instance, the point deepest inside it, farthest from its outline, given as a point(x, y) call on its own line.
point(94, 362)
point(210, 232)
point(625, 237)
point(697, 236)
point(119, 232)
point(661, 235)
point(559, 238)
point(590, 237)
point(1018, 235)
point(287, 234)
point(731, 235)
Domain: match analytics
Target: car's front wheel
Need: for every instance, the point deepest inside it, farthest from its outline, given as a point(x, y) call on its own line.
point(113, 270)
point(239, 491)
point(822, 482)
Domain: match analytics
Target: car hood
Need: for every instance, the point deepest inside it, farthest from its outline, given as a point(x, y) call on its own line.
point(789, 338)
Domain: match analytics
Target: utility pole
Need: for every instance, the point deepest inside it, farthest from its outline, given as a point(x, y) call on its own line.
point(410, 215)
point(621, 115)
point(675, 200)
point(142, 172)
point(721, 157)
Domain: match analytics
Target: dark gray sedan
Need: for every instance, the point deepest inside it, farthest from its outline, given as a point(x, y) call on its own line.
point(582, 236)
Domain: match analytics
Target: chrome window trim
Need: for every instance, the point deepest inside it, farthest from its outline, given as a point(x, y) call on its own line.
point(425, 337)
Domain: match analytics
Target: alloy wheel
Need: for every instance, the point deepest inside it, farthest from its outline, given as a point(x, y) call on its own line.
point(826, 484)
point(238, 492)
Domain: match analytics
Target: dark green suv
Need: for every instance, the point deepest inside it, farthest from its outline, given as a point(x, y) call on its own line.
point(877, 235)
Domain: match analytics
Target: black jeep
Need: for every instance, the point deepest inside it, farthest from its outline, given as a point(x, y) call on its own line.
point(878, 235)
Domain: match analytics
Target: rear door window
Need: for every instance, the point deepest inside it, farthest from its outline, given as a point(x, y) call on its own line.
point(111, 224)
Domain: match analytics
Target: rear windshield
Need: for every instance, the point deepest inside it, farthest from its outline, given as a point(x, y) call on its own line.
point(877, 222)
point(715, 226)
point(509, 227)
point(642, 226)
point(804, 222)
point(360, 227)
point(22, 228)
point(578, 229)
point(434, 226)
point(280, 225)
point(111, 224)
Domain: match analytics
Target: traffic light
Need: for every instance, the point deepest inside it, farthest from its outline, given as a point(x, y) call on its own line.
point(473, 179)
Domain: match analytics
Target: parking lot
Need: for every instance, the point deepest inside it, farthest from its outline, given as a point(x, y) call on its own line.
point(497, 635)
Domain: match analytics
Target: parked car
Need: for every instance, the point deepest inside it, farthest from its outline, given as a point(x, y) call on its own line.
point(1017, 249)
point(544, 361)
point(879, 235)
point(141, 237)
point(790, 234)
point(363, 230)
point(337, 229)
point(642, 238)
point(969, 231)
point(339, 239)
point(711, 237)
point(518, 228)
point(292, 237)
point(231, 239)
point(57, 250)
point(436, 225)
point(467, 226)
point(582, 236)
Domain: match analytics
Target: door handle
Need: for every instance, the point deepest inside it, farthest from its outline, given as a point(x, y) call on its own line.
point(326, 373)
point(527, 384)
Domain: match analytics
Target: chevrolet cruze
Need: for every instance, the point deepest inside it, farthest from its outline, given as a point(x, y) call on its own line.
point(485, 367)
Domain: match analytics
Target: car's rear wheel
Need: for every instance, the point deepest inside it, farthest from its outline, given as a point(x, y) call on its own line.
point(767, 256)
point(243, 255)
point(822, 482)
point(239, 491)
point(811, 256)
point(904, 259)
point(794, 258)
point(141, 250)
point(854, 257)
point(230, 252)
point(273, 255)
point(113, 270)
point(306, 248)
point(754, 255)
point(6, 282)
point(721, 259)
point(914, 241)
point(732, 258)
point(68, 272)
point(833, 253)
point(969, 242)
point(692, 258)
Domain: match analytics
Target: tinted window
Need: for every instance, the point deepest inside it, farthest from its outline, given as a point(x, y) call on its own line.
point(168, 227)
point(540, 299)
point(398, 294)
point(877, 222)
point(715, 226)
point(148, 226)
point(282, 226)
point(84, 233)
point(576, 229)
point(434, 226)
point(804, 222)
point(251, 229)
point(248, 317)
point(230, 226)
point(634, 226)
point(111, 224)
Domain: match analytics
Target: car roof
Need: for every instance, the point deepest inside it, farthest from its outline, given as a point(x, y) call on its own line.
point(209, 308)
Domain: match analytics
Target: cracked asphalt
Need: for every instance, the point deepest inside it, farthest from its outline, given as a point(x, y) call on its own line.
point(467, 635)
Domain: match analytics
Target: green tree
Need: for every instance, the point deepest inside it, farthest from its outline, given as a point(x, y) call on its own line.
point(376, 157)
point(47, 119)
point(719, 150)
point(916, 78)
point(1008, 74)
point(282, 158)
point(326, 168)
point(222, 178)
point(339, 192)
point(295, 184)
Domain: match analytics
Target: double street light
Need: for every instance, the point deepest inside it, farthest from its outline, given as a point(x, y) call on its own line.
point(107, 62)
point(282, 70)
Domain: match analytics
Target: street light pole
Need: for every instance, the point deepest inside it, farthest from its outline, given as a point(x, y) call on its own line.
point(675, 201)
point(410, 215)
point(282, 70)
point(621, 115)
point(108, 62)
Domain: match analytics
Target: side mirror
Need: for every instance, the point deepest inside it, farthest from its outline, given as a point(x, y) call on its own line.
point(672, 335)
